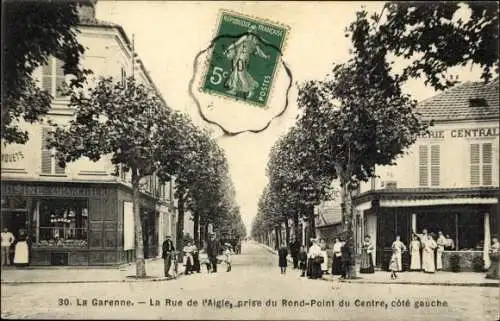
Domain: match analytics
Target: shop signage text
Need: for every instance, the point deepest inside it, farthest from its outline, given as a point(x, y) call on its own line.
point(12, 157)
point(462, 133)
point(18, 189)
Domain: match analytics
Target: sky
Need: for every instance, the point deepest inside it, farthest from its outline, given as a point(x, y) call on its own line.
point(169, 34)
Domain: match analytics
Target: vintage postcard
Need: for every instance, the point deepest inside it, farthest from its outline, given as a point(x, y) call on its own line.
point(250, 160)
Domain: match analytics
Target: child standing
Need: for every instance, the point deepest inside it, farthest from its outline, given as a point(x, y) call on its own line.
point(394, 264)
point(227, 256)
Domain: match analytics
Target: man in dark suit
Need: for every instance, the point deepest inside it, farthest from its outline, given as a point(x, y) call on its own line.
point(168, 250)
point(213, 251)
point(294, 251)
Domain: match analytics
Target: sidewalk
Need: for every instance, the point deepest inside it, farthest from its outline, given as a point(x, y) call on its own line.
point(154, 271)
point(416, 278)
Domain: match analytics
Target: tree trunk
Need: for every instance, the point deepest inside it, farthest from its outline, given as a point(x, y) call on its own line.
point(196, 232)
point(140, 264)
point(312, 221)
point(347, 222)
point(276, 231)
point(287, 232)
point(297, 231)
point(180, 223)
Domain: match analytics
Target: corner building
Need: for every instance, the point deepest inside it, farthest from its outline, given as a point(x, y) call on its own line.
point(82, 214)
point(447, 181)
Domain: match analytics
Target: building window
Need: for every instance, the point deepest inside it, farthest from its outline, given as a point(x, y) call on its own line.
point(53, 77)
point(429, 165)
point(61, 223)
point(481, 164)
point(50, 165)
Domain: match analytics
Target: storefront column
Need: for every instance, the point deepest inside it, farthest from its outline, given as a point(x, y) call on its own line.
point(487, 241)
point(414, 223)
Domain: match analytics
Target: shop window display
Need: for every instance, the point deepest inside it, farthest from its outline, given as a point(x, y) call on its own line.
point(62, 223)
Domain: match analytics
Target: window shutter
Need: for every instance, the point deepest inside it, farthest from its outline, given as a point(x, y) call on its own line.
point(487, 164)
point(435, 162)
point(423, 166)
point(59, 77)
point(47, 75)
point(58, 169)
point(46, 153)
point(474, 164)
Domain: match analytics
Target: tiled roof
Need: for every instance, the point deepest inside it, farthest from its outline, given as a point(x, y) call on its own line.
point(455, 104)
point(329, 213)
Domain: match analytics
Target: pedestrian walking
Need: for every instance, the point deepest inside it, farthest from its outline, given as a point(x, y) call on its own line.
point(168, 250)
point(7, 239)
point(415, 245)
point(367, 249)
point(282, 254)
point(337, 257)
point(302, 260)
point(213, 251)
point(21, 253)
point(399, 248)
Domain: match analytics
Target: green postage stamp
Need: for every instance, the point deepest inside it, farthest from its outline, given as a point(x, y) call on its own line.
point(245, 56)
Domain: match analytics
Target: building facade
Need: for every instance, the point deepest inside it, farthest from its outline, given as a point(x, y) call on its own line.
point(82, 214)
point(447, 181)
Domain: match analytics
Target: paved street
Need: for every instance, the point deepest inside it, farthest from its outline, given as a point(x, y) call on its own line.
point(245, 293)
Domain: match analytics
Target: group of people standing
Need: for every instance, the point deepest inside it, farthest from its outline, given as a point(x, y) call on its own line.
point(193, 257)
point(313, 261)
point(21, 247)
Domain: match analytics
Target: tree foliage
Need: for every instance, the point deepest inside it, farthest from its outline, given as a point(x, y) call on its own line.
point(32, 32)
point(122, 122)
point(437, 36)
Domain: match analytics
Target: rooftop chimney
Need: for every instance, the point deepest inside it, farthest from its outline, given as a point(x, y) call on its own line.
point(86, 11)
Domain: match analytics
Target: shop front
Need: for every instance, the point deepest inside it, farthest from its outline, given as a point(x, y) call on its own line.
point(72, 223)
point(466, 217)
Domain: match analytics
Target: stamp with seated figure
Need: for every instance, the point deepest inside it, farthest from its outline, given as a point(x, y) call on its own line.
point(244, 59)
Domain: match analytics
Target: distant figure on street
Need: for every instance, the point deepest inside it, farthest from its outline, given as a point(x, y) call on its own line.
point(449, 245)
point(346, 257)
point(7, 241)
point(282, 254)
point(168, 250)
point(398, 247)
point(203, 258)
point(415, 264)
point(196, 259)
point(367, 256)
point(21, 254)
point(213, 251)
point(324, 264)
point(188, 257)
point(228, 253)
point(337, 257)
point(302, 260)
point(294, 252)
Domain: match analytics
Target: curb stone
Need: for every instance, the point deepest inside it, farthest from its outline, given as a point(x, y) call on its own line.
point(476, 284)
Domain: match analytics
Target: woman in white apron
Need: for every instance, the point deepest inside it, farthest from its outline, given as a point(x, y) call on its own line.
point(415, 264)
point(429, 246)
point(441, 242)
point(21, 254)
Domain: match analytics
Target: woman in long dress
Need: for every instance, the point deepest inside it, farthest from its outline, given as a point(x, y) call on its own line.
point(21, 254)
point(313, 253)
point(441, 242)
point(282, 262)
point(367, 256)
point(429, 246)
point(337, 257)
point(324, 254)
point(415, 264)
